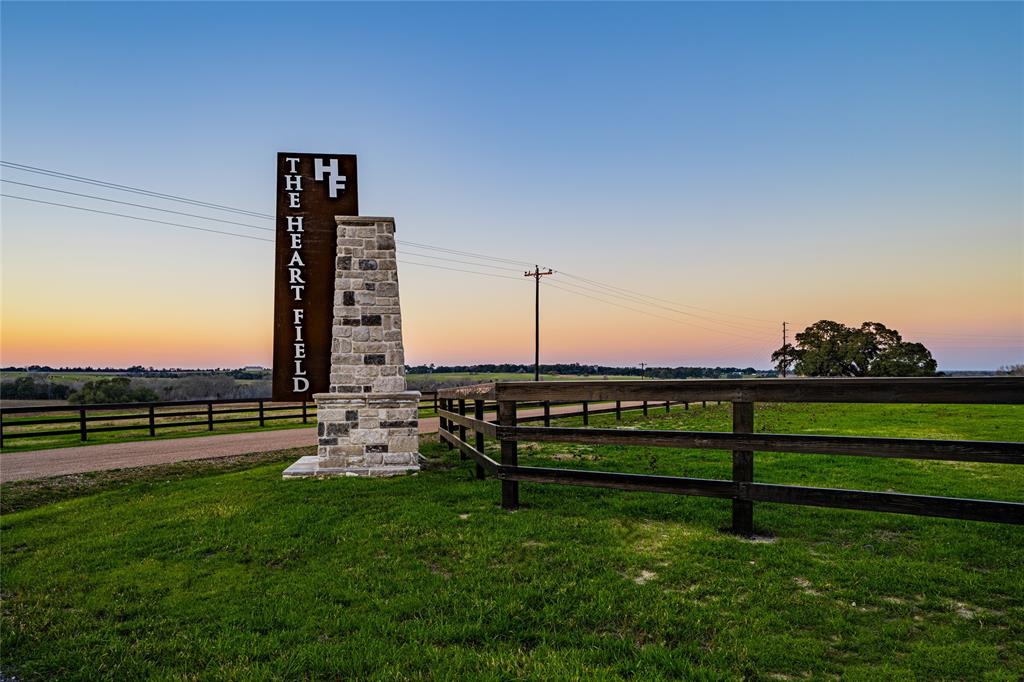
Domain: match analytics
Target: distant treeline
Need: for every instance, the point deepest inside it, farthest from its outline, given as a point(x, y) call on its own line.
point(577, 369)
point(124, 389)
point(246, 373)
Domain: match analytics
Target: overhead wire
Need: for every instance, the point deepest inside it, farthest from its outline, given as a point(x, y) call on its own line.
point(635, 299)
point(645, 312)
point(129, 203)
point(133, 217)
point(587, 285)
point(463, 262)
point(464, 253)
point(444, 267)
point(663, 300)
point(128, 188)
point(618, 292)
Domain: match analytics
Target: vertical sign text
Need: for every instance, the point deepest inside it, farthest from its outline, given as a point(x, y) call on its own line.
point(311, 190)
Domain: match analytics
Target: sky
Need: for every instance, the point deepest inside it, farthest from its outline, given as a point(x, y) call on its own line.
point(742, 164)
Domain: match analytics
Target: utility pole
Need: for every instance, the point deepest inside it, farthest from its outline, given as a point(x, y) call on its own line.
point(643, 366)
point(537, 274)
point(785, 358)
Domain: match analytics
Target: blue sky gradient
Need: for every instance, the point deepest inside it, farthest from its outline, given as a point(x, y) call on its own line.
point(778, 161)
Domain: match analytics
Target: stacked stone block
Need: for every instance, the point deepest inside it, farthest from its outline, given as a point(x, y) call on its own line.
point(368, 423)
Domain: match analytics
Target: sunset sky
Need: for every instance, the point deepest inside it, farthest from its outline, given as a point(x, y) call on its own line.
point(744, 164)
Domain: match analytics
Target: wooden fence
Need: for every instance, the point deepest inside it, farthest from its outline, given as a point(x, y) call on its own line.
point(149, 418)
point(742, 441)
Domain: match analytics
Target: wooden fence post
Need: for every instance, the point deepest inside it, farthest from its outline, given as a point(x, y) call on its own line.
point(462, 429)
point(261, 413)
point(742, 470)
point(448, 405)
point(586, 413)
point(440, 419)
point(303, 411)
point(152, 422)
point(547, 413)
point(82, 429)
point(478, 413)
point(618, 410)
point(645, 408)
point(668, 408)
point(686, 406)
point(509, 454)
point(209, 416)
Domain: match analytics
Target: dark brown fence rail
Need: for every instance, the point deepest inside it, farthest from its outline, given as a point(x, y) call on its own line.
point(149, 418)
point(742, 441)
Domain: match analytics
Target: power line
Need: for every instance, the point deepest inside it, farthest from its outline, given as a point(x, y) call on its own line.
point(462, 253)
point(672, 319)
point(442, 267)
point(128, 203)
point(653, 314)
point(135, 190)
point(173, 197)
point(1019, 337)
point(606, 289)
point(134, 217)
point(663, 300)
point(641, 301)
point(463, 262)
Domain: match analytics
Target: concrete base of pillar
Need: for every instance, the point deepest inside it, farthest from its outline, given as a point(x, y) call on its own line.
point(309, 467)
point(363, 434)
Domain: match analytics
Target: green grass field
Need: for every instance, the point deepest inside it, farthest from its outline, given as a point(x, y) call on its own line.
point(208, 571)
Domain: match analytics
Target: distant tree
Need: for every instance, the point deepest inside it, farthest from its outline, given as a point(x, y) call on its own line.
point(1016, 370)
point(200, 386)
point(784, 358)
point(115, 390)
point(31, 388)
point(831, 349)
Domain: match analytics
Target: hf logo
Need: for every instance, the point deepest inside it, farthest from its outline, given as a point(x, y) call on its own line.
point(335, 180)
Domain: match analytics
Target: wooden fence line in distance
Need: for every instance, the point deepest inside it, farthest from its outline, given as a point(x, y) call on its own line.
point(150, 417)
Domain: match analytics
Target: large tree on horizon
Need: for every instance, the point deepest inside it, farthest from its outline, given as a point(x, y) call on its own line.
point(831, 349)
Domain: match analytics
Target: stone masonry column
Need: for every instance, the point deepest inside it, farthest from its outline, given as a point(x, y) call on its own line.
point(368, 423)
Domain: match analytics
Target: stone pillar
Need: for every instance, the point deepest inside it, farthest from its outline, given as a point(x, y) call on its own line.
point(368, 423)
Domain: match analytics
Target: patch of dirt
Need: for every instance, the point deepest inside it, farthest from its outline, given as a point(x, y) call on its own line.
point(805, 586)
point(570, 456)
point(645, 577)
point(970, 612)
point(436, 569)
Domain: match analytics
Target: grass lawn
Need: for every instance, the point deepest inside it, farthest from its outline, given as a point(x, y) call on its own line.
point(239, 575)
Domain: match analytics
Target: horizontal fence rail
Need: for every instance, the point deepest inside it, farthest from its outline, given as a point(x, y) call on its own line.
point(455, 422)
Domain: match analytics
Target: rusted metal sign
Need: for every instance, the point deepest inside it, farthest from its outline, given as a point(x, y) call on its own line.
point(311, 190)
